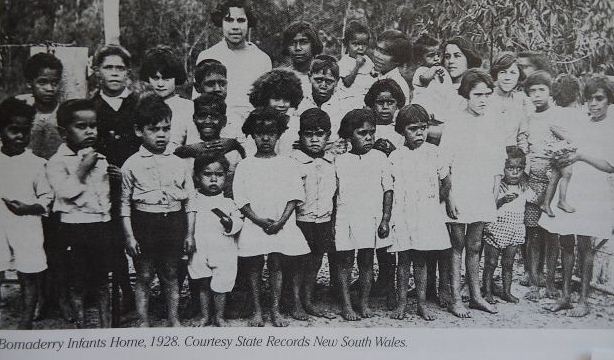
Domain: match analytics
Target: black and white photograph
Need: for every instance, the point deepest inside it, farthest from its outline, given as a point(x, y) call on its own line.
point(380, 164)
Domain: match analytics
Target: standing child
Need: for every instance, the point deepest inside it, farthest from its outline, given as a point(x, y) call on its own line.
point(355, 66)
point(392, 51)
point(314, 216)
point(385, 98)
point(80, 181)
point(25, 195)
point(214, 262)
point(157, 213)
point(420, 176)
point(364, 184)
point(267, 188)
point(503, 236)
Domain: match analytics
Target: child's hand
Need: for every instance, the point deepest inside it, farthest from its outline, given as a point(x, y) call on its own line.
point(226, 223)
point(264, 223)
point(360, 61)
point(384, 145)
point(87, 163)
point(274, 228)
point(506, 199)
point(189, 245)
point(132, 247)
point(384, 229)
point(17, 207)
point(451, 209)
point(115, 173)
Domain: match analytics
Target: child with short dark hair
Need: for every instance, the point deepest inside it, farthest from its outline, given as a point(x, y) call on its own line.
point(301, 43)
point(503, 236)
point(314, 216)
point(355, 66)
point(26, 196)
point(421, 184)
point(43, 73)
point(214, 262)
point(385, 98)
point(362, 223)
point(267, 188)
point(210, 77)
point(157, 212)
point(393, 49)
point(78, 176)
point(163, 71)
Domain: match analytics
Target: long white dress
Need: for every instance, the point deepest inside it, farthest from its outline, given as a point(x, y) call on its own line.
point(362, 181)
point(267, 184)
point(418, 219)
point(588, 190)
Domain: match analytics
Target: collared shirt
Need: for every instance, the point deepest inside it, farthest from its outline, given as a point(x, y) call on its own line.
point(77, 201)
point(156, 183)
point(320, 185)
point(115, 102)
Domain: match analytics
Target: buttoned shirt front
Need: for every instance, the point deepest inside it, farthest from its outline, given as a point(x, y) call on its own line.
point(156, 183)
point(320, 185)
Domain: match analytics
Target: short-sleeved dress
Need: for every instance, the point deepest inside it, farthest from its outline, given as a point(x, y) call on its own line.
point(418, 218)
point(588, 189)
point(476, 154)
point(509, 228)
point(267, 185)
point(362, 181)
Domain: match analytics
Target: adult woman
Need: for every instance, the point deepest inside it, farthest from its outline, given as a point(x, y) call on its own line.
point(243, 60)
point(588, 191)
point(475, 158)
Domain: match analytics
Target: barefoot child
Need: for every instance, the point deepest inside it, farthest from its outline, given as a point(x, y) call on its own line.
point(419, 227)
point(214, 262)
point(314, 216)
point(157, 212)
point(355, 67)
point(362, 223)
point(25, 195)
point(503, 236)
point(267, 188)
point(79, 178)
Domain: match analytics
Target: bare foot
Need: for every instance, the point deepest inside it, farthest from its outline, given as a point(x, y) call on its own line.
point(458, 309)
point(299, 314)
point(278, 320)
point(174, 323)
point(220, 322)
point(533, 294)
point(566, 207)
point(315, 311)
point(204, 321)
point(551, 293)
point(364, 311)
point(509, 298)
point(444, 299)
point(425, 313)
point(547, 210)
point(580, 310)
point(525, 281)
point(481, 304)
point(392, 300)
point(398, 313)
point(255, 320)
point(349, 315)
point(562, 304)
point(465, 294)
point(142, 324)
point(490, 299)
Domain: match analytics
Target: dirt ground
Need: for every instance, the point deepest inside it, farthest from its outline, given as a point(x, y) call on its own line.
point(526, 314)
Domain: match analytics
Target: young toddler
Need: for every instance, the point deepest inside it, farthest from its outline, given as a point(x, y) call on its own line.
point(214, 262)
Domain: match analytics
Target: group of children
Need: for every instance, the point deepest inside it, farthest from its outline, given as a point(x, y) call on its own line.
point(314, 173)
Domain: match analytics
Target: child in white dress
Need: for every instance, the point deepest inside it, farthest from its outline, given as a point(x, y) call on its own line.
point(267, 188)
point(362, 223)
point(214, 263)
point(418, 221)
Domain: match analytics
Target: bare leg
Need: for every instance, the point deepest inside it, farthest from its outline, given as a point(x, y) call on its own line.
point(253, 266)
point(168, 278)
point(533, 254)
point(365, 271)
point(457, 237)
point(549, 194)
point(144, 275)
point(344, 262)
point(275, 279)
point(443, 264)
point(29, 291)
point(219, 300)
point(295, 266)
point(507, 268)
point(552, 257)
point(586, 253)
point(431, 275)
point(104, 300)
point(313, 263)
point(420, 276)
point(204, 293)
point(402, 286)
point(567, 260)
point(491, 259)
point(472, 264)
point(566, 173)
